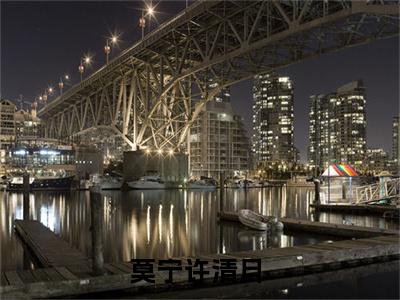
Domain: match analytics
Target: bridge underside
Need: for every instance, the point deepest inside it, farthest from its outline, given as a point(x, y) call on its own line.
point(147, 95)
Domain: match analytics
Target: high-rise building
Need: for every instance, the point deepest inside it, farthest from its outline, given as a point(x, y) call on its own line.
point(7, 123)
point(396, 143)
point(337, 130)
point(376, 160)
point(272, 141)
point(218, 141)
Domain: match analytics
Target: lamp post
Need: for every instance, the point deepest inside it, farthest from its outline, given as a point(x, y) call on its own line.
point(61, 85)
point(81, 68)
point(107, 48)
point(63, 80)
point(142, 21)
point(44, 97)
point(84, 61)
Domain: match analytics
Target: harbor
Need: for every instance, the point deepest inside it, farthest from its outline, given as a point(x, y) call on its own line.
point(151, 224)
point(200, 150)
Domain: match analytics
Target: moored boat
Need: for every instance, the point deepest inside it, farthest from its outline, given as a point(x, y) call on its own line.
point(258, 221)
point(234, 183)
point(250, 183)
point(253, 220)
point(42, 183)
point(147, 183)
point(202, 183)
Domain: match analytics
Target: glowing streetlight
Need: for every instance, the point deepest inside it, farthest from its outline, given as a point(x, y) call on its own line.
point(86, 60)
point(171, 152)
point(159, 151)
point(50, 90)
point(148, 151)
point(150, 10)
point(142, 21)
point(110, 41)
point(66, 77)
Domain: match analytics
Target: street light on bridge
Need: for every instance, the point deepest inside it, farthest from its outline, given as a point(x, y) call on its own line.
point(86, 60)
point(63, 79)
point(109, 42)
point(142, 21)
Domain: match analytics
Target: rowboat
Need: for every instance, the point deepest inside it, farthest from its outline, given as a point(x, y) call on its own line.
point(253, 220)
point(260, 222)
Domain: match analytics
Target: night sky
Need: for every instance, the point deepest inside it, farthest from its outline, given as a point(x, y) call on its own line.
point(41, 41)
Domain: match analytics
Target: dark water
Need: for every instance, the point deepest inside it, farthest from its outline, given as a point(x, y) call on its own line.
point(375, 281)
point(161, 224)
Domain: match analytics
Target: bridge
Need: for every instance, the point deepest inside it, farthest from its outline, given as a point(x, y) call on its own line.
point(146, 95)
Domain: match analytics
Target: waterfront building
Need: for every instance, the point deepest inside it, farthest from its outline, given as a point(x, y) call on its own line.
point(272, 140)
point(7, 123)
point(218, 141)
point(337, 128)
point(28, 127)
point(396, 144)
point(7, 131)
point(18, 126)
point(376, 161)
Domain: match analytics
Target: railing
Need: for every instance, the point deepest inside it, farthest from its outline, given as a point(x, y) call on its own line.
point(389, 189)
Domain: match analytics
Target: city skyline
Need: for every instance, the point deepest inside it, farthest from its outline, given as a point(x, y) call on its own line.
point(379, 75)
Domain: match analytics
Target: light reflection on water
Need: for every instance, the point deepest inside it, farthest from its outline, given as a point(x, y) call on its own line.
point(161, 224)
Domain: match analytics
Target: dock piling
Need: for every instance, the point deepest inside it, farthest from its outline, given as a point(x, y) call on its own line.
point(25, 189)
point(97, 208)
point(221, 191)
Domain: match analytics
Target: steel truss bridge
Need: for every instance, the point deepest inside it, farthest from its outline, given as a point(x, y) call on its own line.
point(146, 94)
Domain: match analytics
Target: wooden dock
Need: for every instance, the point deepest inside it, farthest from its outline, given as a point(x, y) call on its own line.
point(348, 231)
point(50, 249)
point(68, 280)
point(381, 210)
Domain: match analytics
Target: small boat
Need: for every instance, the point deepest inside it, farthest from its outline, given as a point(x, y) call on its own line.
point(147, 183)
point(259, 222)
point(202, 183)
point(253, 220)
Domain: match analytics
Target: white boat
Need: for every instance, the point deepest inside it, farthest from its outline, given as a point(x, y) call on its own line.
point(235, 184)
point(147, 183)
point(202, 183)
point(259, 222)
point(111, 183)
point(253, 220)
point(250, 183)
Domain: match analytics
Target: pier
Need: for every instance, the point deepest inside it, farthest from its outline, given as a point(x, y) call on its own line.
point(348, 231)
point(380, 210)
point(67, 271)
point(49, 249)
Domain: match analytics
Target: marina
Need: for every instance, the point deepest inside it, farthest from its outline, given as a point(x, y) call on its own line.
point(72, 280)
point(200, 149)
point(201, 216)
